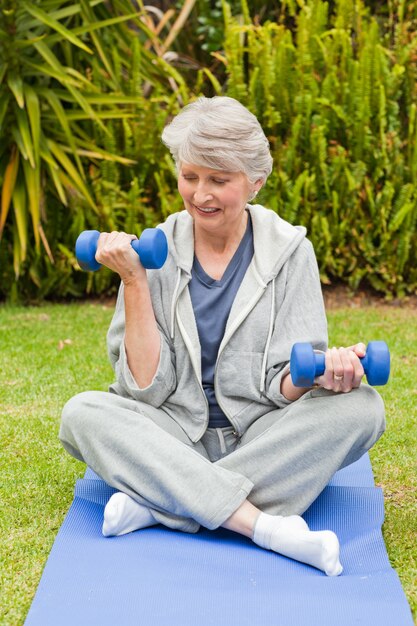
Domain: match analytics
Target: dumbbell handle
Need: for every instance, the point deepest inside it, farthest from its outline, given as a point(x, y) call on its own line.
point(307, 364)
point(320, 359)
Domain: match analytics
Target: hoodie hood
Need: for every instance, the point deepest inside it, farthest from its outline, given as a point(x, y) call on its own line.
point(270, 252)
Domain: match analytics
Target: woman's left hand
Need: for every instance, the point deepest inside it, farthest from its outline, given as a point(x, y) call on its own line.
point(344, 370)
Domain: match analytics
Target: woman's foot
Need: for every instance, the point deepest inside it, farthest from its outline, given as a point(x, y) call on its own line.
point(291, 537)
point(123, 515)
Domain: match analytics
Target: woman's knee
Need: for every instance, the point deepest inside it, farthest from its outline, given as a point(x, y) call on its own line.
point(360, 411)
point(78, 412)
point(373, 410)
point(365, 412)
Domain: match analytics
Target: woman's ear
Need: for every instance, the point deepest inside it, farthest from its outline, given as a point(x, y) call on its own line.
point(258, 185)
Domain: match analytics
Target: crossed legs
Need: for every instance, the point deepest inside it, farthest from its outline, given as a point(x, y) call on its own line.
point(255, 490)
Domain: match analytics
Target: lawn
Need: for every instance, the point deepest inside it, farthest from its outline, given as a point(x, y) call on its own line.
point(52, 352)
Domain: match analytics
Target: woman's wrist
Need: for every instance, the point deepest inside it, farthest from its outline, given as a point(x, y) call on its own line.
point(134, 279)
point(290, 391)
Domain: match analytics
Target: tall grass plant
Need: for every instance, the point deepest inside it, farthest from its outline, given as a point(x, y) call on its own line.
point(85, 90)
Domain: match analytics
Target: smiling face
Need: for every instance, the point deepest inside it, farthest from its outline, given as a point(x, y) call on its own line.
point(215, 199)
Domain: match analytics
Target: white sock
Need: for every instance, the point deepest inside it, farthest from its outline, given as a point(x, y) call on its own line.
point(123, 515)
point(291, 537)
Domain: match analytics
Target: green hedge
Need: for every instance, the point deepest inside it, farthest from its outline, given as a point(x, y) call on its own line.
point(339, 107)
point(85, 92)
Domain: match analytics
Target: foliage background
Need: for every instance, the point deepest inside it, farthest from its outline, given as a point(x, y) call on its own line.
point(86, 88)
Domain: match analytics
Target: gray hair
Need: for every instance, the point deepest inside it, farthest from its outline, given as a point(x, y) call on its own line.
point(221, 134)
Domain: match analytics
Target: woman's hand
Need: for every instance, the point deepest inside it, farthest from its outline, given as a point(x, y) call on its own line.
point(114, 250)
point(344, 370)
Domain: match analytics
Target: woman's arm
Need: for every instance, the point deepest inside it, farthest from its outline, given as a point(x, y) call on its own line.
point(142, 339)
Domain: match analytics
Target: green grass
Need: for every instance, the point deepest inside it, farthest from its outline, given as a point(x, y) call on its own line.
point(39, 372)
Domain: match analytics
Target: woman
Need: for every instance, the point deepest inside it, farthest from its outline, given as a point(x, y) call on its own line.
point(203, 425)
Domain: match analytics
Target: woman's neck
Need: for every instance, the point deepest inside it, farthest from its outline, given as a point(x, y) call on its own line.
point(214, 251)
point(220, 242)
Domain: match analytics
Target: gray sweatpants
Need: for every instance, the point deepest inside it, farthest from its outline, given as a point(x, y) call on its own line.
point(280, 464)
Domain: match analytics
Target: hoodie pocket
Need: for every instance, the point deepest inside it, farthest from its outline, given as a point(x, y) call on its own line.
point(239, 374)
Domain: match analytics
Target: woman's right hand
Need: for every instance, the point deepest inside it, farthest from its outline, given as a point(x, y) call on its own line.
point(114, 250)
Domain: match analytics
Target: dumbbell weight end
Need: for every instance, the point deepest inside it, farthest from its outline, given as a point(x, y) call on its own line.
point(85, 250)
point(305, 364)
point(377, 363)
point(152, 248)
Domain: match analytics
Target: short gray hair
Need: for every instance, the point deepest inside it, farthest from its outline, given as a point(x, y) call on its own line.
point(221, 134)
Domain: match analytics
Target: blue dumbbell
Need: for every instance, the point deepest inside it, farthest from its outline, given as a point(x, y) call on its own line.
point(306, 365)
point(152, 248)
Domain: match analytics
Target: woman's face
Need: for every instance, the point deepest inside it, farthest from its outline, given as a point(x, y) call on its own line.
point(215, 199)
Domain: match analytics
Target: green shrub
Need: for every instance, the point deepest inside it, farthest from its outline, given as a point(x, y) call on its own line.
point(339, 108)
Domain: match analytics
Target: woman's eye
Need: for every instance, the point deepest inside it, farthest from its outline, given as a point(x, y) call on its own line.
point(216, 181)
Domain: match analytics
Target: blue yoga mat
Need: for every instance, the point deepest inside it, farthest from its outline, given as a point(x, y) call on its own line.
point(162, 577)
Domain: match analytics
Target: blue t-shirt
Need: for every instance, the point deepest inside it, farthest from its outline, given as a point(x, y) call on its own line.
point(212, 301)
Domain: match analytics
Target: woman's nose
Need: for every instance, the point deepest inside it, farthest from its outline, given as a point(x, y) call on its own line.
point(202, 194)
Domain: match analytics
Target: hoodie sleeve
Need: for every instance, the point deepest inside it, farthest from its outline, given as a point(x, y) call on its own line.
point(300, 317)
point(164, 381)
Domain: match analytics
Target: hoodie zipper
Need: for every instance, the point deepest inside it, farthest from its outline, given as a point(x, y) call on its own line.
point(189, 347)
point(243, 314)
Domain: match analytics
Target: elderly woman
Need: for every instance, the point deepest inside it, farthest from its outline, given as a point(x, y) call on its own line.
point(203, 426)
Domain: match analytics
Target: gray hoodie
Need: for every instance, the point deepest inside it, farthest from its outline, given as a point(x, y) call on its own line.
point(278, 303)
